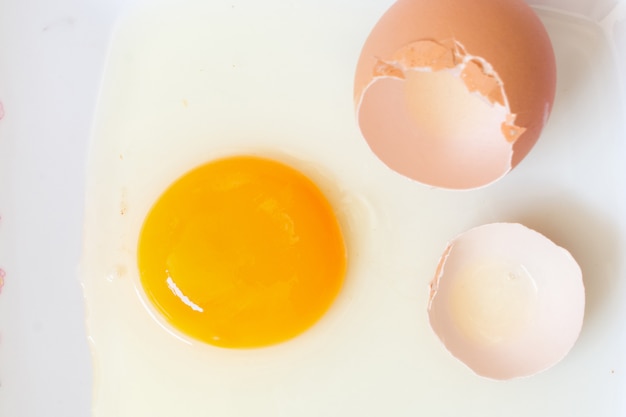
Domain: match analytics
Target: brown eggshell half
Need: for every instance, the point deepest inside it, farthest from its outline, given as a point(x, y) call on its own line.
point(499, 50)
point(506, 301)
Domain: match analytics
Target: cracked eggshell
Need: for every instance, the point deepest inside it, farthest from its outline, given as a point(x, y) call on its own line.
point(506, 301)
point(455, 93)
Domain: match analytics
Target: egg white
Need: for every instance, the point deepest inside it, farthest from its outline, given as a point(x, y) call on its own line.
point(184, 86)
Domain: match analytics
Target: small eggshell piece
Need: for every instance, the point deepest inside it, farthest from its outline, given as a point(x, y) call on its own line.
point(506, 301)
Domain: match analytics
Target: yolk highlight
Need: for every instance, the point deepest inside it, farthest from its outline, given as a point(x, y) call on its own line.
point(242, 252)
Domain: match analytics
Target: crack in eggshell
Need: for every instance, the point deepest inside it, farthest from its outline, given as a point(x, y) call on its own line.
point(475, 72)
point(427, 53)
point(477, 79)
point(384, 69)
point(434, 284)
point(510, 131)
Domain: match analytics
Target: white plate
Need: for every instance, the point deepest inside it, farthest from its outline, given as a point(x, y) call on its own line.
point(571, 188)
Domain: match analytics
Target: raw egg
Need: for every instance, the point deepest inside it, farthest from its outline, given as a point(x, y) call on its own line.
point(242, 252)
point(225, 237)
point(506, 300)
point(454, 94)
point(187, 86)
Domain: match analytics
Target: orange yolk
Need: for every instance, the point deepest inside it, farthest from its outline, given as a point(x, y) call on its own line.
point(242, 252)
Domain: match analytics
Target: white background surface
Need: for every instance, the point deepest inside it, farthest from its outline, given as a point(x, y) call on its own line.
point(52, 54)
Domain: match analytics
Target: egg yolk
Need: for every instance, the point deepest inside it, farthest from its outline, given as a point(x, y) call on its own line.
point(242, 252)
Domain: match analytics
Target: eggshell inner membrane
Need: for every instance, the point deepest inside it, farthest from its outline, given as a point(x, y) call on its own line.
point(507, 301)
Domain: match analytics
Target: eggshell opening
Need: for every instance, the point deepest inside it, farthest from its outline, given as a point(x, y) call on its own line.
point(443, 134)
point(454, 94)
point(506, 301)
